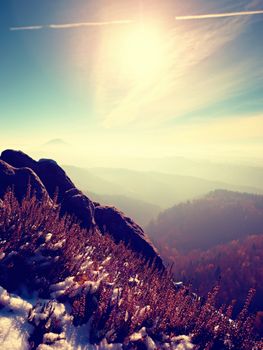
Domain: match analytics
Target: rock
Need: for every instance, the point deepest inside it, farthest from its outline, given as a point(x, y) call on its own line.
point(54, 178)
point(80, 206)
point(51, 174)
point(48, 178)
point(112, 221)
point(57, 182)
point(19, 179)
point(18, 159)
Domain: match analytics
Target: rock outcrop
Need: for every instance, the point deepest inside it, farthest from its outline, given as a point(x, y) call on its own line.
point(57, 183)
point(47, 178)
point(19, 179)
point(81, 207)
point(53, 176)
point(110, 220)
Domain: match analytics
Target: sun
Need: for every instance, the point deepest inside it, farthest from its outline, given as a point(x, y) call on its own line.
point(131, 64)
point(141, 52)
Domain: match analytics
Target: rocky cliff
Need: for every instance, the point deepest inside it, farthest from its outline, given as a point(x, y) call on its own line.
point(47, 178)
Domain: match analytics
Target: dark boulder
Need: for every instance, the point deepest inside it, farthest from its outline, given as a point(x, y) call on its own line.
point(81, 207)
point(51, 174)
point(18, 159)
point(19, 180)
point(57, 182)
point(54, 178)
point(112, 221)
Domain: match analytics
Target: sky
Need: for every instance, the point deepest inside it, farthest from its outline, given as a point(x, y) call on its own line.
point(132, 78)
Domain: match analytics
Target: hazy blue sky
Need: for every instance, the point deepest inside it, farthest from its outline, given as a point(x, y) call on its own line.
point(145, 85)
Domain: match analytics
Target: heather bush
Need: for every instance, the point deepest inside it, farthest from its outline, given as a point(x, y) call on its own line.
point(106, 284)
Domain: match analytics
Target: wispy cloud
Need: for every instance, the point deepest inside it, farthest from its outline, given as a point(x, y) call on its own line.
point(232, 136)
point(186, 83)
point(218, 15)
point(74, 25)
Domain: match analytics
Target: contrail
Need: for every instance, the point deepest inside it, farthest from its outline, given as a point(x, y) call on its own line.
point(123, 22)
point(218, 15)
point(27, 28)
point(87, 24)
point(73, 25)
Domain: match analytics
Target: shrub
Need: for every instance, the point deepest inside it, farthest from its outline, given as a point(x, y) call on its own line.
point(107, 284)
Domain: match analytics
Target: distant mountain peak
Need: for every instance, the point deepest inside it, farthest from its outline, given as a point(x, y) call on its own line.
point(56, 142)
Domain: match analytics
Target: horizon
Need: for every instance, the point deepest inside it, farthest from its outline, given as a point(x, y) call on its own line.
point(64, 155)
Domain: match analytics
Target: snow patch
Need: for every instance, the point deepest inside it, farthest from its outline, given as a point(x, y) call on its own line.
point(14, 330)
point(13, 302)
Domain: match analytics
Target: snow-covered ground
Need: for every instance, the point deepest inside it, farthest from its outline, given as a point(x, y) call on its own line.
point(19, 317)
point(27, 319)
point(14, 328)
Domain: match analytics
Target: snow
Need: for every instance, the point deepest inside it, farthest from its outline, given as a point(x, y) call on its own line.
point(14, 330)
point(86, 265)
point(48, 237)
point(59, 244)
point(106, 261)
point(14, 303)
point(144, 310)
point(71, 287)
point(139, 335)
point(105, 345)
point(52, 337)
point(178, 284)
point(59, 345)
point(18, 317)
point(51, 311)
point(145, 338)
point(181, 342)
point(150, 344)
point(134, 280)
point(116, 294)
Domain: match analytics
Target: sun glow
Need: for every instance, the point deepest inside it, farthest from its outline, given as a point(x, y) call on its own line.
point(129, 62)
point(141, 52)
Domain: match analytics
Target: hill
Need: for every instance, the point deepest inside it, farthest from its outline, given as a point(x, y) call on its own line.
point(215, 238)
point(219, 217)
point(237, 174)
point(157, 188)
point(87, 181)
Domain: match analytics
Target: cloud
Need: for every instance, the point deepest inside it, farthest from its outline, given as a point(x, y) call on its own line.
point(74, 25)
point(219, 15)
point(186, 83)
point(231, 136)
point(198, 74)
point(224, 130)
